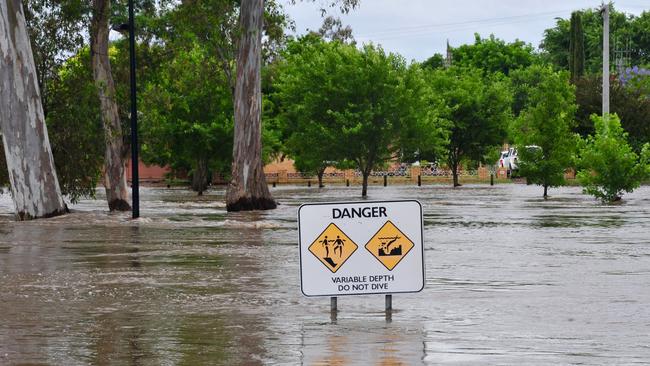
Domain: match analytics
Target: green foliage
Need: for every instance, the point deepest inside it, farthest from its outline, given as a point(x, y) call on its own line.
point(74, 125)
point(436, 61)
point(187, 115)
point(623, 27)
point(608, 165)
point(494, 55)
point(478, 108)
point(75, 129)
point(576, 47)
point(55, 30)
point(630, 103)
point(341, 104)
point(543, 127)
point(640, 85)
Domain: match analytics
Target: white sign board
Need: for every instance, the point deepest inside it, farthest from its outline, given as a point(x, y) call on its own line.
point(354, 248)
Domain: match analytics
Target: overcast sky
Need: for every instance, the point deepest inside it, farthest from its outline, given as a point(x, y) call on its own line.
point(419, 28)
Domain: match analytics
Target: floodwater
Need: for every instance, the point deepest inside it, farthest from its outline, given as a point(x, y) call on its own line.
point(510, 279)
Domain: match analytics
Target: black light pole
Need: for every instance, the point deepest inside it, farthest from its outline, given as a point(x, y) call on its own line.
point(135, 177)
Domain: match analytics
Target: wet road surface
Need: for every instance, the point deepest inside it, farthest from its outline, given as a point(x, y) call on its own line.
point(510, 279)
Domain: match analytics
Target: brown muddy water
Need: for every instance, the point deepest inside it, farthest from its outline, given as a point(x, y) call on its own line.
point(510, 279)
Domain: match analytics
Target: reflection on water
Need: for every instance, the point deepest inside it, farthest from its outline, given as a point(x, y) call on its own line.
point(511, 278)
point(368, 342)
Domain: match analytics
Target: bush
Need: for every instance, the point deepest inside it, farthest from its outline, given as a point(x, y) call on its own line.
point(608, 165)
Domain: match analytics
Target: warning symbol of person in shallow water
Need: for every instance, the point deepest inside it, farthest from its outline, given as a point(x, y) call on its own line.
point(389, 245)
point(333, 247)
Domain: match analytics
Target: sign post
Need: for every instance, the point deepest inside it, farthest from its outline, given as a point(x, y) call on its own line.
point(361, 248)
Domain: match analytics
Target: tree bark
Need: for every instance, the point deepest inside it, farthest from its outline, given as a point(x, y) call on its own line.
point(200, 177)
point(114, 164)
point(453, 160)
point(34, 185)
point(364, 184)
point(545, 191)
point(454, 173)
point(248, 189)
point(320, 177)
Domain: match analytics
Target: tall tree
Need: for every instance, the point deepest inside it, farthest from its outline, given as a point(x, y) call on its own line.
point(248, 189)
point(479, 110)
point(34, 184)
point(344, 105)
point(493, 55)
point(543, 128)
point(576, 47)
point(55, 30)
point(624, 28)
point(114, 157)
point(333, 30)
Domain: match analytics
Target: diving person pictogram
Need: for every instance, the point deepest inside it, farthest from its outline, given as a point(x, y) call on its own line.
point(389, 245)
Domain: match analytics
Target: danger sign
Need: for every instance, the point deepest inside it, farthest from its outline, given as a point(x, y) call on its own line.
point(354, 248)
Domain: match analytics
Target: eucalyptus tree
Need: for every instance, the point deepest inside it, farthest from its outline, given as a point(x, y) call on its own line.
point(114, 157)
point(34, 184)
point(56, 29)
point(247, 189)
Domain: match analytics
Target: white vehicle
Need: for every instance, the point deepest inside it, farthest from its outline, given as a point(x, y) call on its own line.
point(508, 159)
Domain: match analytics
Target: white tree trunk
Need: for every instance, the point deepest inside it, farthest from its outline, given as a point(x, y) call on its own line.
point(117, 193)
point(248, 189)
point(34, 184)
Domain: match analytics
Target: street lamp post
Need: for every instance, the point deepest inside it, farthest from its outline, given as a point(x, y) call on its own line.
point(135, 178)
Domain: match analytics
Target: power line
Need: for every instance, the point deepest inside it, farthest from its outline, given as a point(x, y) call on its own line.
point(447, 30)
point(474, 22)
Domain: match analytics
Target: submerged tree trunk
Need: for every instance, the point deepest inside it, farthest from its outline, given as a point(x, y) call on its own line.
point(454, 160)
point(320, 177)
point(248, 189)
point(364, 184)
point(34, 184)
point(200, 177)
point(545, 191)
point(114, 168)
point(454, 173)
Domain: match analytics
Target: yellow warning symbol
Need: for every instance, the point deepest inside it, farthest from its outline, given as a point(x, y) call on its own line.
point(333, 247)
point(389, 245)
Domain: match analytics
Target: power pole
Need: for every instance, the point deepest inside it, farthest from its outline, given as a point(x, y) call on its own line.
point(605, 12)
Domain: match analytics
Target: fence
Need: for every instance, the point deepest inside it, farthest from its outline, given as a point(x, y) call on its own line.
point(402, 173)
